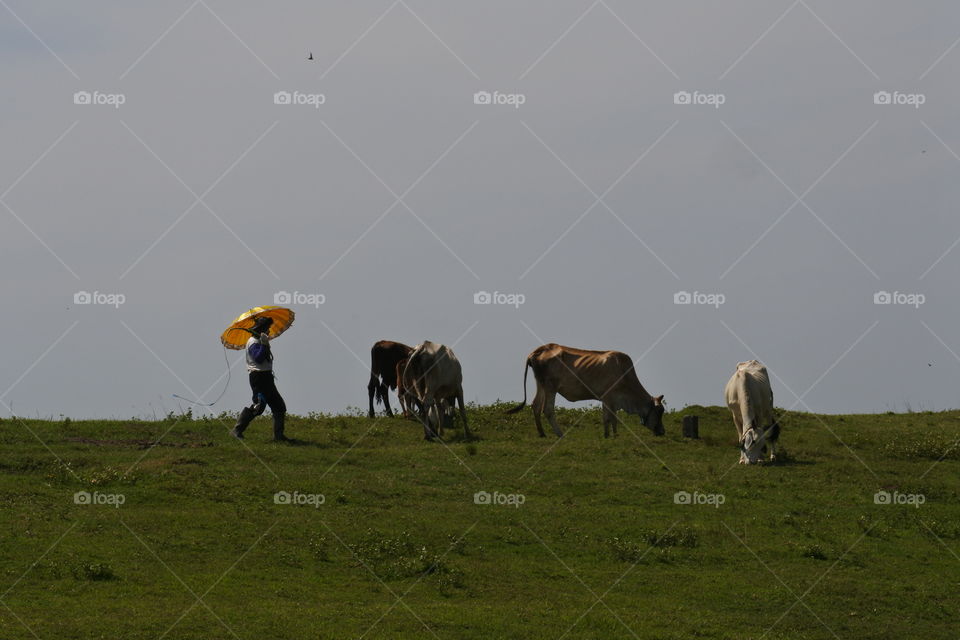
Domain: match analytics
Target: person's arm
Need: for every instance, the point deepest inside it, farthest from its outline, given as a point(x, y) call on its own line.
point(262, 338)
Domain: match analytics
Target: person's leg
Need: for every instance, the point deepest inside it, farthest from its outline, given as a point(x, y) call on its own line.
point(247, 414)
point(277, 406)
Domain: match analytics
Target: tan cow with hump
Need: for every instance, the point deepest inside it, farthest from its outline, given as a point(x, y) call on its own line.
point(579, 374)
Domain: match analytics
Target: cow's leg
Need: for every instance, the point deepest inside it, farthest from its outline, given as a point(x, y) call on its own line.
point(436, 418)
point(427, 404)
point(463, 414)
point(436, 426)
point(537, 406)
point(738, 422)
point(442, 418)
point(449, 412)
point(608, 418)
point(386, 399)
point(371, 391)
point(548, 409)
point(440, 409)
point(409, 403)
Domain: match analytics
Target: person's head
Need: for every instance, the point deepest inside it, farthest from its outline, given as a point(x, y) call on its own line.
point(261, 325)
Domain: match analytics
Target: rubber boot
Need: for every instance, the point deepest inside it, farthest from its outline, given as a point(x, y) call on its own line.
point(246, 417)
point(278, 428)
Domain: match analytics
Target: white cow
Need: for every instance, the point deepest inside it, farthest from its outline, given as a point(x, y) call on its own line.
point(750, 400)
point(434, 377)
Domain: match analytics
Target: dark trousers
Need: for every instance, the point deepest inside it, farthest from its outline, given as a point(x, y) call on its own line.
point(265, 393)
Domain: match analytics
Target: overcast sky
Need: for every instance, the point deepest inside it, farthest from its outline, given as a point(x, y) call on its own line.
point(630, 151)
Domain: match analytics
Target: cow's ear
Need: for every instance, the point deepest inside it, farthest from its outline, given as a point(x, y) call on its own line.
point(658, 400)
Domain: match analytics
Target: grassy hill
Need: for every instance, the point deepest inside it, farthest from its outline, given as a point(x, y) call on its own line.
point(383, 538)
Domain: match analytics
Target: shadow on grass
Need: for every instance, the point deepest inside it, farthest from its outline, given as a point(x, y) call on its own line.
point(790, 462)
point(297, 442)
point(459, 438)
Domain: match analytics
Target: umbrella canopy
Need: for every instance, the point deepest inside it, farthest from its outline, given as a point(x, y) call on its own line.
point(236, 335)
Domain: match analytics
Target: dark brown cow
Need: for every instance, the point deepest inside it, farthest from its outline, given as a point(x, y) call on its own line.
point(384, 357)
point(578, 374)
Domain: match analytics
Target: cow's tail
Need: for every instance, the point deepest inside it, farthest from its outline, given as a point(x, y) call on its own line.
point(747, 414)
point(380, 391)
point(524, 403)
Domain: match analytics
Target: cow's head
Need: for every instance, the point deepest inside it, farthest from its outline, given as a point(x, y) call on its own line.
point(652, 416)
point(754, 442)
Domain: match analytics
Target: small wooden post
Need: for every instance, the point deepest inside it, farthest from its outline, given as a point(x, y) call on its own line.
point(691, 427)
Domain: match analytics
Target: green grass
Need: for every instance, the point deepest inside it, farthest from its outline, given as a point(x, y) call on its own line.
point(398, 519)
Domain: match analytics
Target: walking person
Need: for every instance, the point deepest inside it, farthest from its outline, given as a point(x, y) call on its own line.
point(260, 367)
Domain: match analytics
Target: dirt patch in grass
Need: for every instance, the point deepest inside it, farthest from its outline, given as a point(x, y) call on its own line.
point(140, 443)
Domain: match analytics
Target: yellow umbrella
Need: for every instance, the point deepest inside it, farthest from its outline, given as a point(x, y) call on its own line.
point(236, 335)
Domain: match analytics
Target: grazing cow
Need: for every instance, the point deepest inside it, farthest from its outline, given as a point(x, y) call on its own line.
point(750, 399)
point(434, 377)
point(405, 391)
point(578, 374)
point(384, 357)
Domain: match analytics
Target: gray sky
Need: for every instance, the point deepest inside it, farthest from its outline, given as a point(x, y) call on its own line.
point(598, 198)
